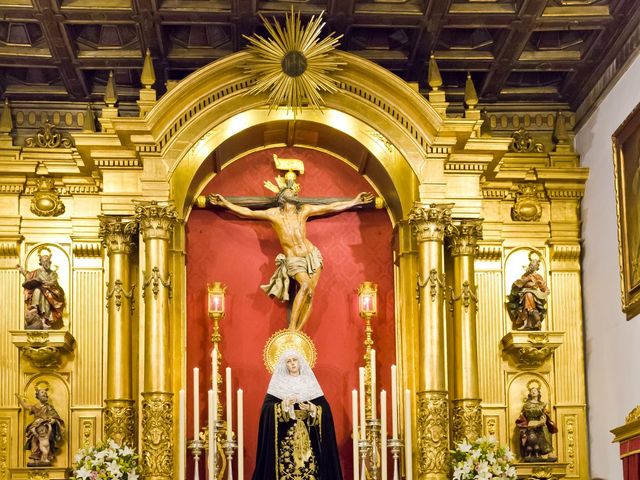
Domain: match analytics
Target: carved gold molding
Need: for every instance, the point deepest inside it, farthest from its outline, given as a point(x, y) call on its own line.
point(43, 348)
point(117, 292)
point(157, 434)
point(523, 142)
point(631, 428)
point(155, 280)
point(48, 136)
point(5, 428)
point(541, 471)
point(433, 434)
point(531, 349)
point(466, 420)
point(527, 207)
point(46, 200)
point(120, 421)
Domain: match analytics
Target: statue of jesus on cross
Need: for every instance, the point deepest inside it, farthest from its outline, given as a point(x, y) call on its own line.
point(300, 259)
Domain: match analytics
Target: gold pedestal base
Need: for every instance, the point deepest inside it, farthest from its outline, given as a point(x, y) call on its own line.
point(39, 473)
point(541, 470)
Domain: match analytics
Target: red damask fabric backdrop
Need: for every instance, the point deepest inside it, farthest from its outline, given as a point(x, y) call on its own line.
point(356, 246)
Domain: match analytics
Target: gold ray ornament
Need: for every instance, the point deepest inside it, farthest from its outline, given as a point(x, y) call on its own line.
point(293, 64)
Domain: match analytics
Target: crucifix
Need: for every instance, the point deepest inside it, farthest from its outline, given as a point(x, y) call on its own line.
point(288, 214)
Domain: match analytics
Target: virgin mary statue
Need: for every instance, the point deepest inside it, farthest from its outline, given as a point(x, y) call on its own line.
point(296, 437)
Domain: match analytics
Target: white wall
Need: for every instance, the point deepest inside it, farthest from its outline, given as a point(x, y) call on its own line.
point(612, 342)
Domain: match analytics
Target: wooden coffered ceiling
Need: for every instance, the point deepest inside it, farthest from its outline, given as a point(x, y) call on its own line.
point(536, 51)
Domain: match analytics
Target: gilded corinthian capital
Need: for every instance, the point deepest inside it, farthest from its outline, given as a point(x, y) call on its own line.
point(464, 237)
point(117, 233)
point(431, 223)
point(156, 220)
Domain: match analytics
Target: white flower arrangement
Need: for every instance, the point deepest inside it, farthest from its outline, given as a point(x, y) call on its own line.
point(106, 461)
point(483, 459)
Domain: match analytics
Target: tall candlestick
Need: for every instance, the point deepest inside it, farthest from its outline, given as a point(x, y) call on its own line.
point(394, 401)
point(363, 434)
point(383, 433)
point(211, 450)
point(373, 385)
point(240, 435)
point(182, 427)
point(354, 434)
point(408, 447)
point(196, 402)
point(214, 376)
point(214, 369)
point(229, 406)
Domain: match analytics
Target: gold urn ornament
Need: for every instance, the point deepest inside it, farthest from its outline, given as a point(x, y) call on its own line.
point(46, 201)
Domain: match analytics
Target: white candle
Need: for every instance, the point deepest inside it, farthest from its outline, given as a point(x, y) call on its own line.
point(240, 435)
point(214, 428)
point(214, 376)
point(196, 402)
point(374, 394)
point(408, 447)
point(229, 406)
point(394, 401)
point(182, 426)
point(211, 451)
point(362, 409)
point(383, 432)
point(354, 434)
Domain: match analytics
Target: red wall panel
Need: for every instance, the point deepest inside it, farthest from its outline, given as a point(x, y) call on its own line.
point(356, 246)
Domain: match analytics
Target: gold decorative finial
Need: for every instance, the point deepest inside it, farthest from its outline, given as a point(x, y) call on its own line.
point(470, 95)
point(110, 94)
point(6, 123)
point(89, 124)
point(433, 77)
point(560, 130)
point(148, 76)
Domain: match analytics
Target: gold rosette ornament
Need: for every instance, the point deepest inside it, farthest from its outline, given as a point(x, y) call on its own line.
point(293, 64)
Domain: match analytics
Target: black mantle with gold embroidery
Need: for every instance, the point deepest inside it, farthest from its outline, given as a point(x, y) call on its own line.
point(283, 453)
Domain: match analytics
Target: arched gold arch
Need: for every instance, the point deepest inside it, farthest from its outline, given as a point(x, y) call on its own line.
point(382, 112)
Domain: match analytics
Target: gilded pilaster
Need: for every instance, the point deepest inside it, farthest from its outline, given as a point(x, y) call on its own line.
point(430, 225)
point(466, 412)
point(156, 224)
point(11, 317)
point(119, 413)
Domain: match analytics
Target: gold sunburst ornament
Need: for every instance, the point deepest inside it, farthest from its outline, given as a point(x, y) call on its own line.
point(293, 64)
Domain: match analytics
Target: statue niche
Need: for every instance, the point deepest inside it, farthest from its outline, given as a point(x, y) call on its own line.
point(527, 305)
point(44, 298)
point(44, 435)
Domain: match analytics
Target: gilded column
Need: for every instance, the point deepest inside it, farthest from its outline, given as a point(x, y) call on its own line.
point(466, 410)
point(120, 413)
point(430, 225)
point(156, 224)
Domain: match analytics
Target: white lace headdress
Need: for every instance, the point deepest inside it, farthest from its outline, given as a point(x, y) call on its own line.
point(304, 386)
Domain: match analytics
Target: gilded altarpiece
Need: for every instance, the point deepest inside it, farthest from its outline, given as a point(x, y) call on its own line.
point(438, 173)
